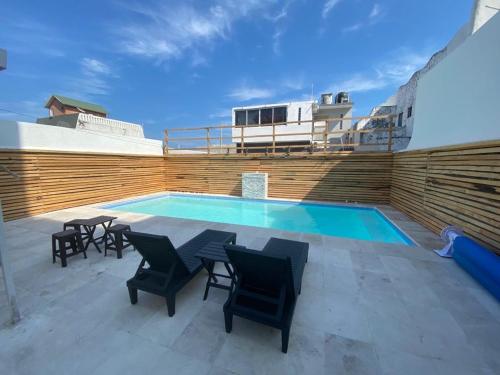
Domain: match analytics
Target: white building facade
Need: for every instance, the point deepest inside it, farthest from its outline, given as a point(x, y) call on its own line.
point(296, 124)
point(402, 105)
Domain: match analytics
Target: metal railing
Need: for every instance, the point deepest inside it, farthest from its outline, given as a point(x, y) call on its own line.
point(309, 136)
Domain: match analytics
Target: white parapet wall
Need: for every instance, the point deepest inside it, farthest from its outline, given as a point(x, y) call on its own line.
point(30, 136)
point(108, 125)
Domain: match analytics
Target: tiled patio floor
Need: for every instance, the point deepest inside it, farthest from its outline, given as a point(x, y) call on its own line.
point(365, 308)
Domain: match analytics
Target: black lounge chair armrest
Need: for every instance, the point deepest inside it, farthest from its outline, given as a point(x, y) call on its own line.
point(156, 273)
point(261, 297)
point(280, 302)
point(141, 267)
point(167, 276)
point(275, 317)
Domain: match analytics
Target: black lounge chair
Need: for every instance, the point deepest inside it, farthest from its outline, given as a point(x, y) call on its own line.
point(169, 268)
point(268, 284)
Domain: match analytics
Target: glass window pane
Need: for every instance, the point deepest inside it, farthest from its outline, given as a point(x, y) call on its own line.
point(266, 116)
point(280, 114)
point(240, 118)
point(253, 117)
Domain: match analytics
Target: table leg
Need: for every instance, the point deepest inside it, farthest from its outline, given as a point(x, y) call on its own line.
point(90, 232)
point(104, 237)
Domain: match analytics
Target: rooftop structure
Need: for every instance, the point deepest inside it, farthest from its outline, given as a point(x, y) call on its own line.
point(300, 124)
point(61, 105)
point(94, 123)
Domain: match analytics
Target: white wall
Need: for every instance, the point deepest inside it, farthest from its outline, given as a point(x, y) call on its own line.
point(30, 136)
point(267, 130)
point(458, 101)
point(482, 11)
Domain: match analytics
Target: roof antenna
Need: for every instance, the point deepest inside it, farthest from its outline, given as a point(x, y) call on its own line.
point(312, 91)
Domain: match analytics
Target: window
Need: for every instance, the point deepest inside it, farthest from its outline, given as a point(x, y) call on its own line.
point(262, 116)
point(400, 119)
point(300, 115)
point(240, 118)
point(410, 108)
point(279, 115)
point(341, 122)
point(266, 116)
point(253, 117)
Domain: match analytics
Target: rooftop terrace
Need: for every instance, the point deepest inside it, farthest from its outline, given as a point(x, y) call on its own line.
point(365, 308)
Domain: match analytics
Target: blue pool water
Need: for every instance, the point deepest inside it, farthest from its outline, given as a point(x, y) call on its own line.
point(325, 219)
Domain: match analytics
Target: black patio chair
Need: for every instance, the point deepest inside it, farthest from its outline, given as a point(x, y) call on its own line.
point(169, 268)
point(268, 284)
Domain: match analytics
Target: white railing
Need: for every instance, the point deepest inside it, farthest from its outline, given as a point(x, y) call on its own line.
point(107, 125)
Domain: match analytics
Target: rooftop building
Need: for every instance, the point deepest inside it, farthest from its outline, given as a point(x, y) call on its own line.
point(296, 124)
point(61, 105)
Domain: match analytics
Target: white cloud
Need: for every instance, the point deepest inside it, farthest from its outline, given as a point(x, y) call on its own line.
point(27, 36)
point(284, 86)
point(393, 72)
point(94, 66)
point(165, 32)
point(93, 80)
point(245, 93)
point(354, 27)
point(360, 83)
point(376, 11)
point(293, 83)
point(376, 14)
point(328, 6)
point(280, 28)
point(277, 41)
point(223, 113)
point(282, 14)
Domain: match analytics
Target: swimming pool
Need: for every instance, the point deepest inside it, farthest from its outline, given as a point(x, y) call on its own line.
point(362, 223)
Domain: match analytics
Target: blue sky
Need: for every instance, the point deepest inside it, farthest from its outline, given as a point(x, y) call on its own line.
point(187, 63)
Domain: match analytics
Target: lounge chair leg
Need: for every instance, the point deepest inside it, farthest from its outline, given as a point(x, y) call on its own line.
point(171, 304)
point(132, 292)
point(285, 333)
point(228, 318)
point(53, 250)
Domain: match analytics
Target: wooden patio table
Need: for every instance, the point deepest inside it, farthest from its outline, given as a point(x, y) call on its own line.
point(89, 227)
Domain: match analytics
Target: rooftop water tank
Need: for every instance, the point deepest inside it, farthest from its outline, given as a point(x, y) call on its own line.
point(342, 97)
point(327, 98)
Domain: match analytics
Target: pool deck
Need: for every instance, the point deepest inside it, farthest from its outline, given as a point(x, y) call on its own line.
point(365, 308)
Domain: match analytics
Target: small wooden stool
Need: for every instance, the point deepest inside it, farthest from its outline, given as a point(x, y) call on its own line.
point(115, 240)
point(67, 239)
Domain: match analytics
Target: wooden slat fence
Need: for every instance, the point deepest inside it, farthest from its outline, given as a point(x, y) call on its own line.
point(451, 186)
point(436, 187)
point(341, 176)
point(34, 182)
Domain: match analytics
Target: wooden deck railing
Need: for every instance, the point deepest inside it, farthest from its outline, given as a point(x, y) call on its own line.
point(309, 136)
